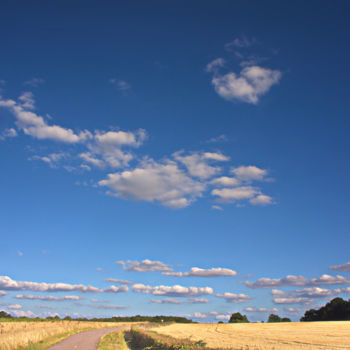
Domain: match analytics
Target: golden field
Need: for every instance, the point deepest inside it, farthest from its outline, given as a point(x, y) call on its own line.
point(16, 335)
point(265, 336)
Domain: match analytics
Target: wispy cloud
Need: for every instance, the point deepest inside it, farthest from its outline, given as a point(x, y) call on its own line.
point(117, 281)
point(260, 309)
point(8, 133)
point(121, 85)
point(47, 297)
point(34, 82)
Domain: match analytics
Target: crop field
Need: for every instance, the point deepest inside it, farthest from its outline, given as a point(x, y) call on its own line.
point(264, 336)
point(20, 335)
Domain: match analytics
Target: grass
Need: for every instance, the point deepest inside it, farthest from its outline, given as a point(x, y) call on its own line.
point(113, 341)
point(35, 335)
point(264, 336)
point(138, 339)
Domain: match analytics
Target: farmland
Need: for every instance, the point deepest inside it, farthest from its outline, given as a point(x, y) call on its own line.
point(262, 336)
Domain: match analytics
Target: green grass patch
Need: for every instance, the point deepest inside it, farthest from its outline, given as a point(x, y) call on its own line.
point(113, 341)
point(147, 340)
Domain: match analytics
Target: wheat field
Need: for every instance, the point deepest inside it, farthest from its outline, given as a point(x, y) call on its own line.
point(14, 335)
point(265, 336)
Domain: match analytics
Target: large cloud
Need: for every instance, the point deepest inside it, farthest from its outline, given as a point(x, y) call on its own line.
point(47, 297)
point(155, 182)
point(198, 272)
point(173, 291)
point(297, 281)
point(6, 283)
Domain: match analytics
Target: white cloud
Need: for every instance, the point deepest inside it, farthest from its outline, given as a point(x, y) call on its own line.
point(216, 156)
point(260, 309)
point(198, 272)
point(6, 283)
point(2, 293)
point(252, 83)
point(117, 281)
point(173, 291)
point(11, 132)
point(167, 301)
point(198, 301)
point(234, 298)
point(19, 253)
point(236, 193)
point(225, 181)
point(152, 181)
point(21, 313)
point(241, 42)
point(27, 100)
point(108, 307)
point(249, 173)
point(261, 199)
point(343, 268)
point(198, 315)
point(297, 281)
point(47, 297)
point(51, 159)
point(144, 266)
point(220, 138)
point(222, 317)
point(216, 207)
point(197, 164)
point(14, 307)
point(215, 64)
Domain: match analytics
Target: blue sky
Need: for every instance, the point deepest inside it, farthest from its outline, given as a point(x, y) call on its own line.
point(182, 149)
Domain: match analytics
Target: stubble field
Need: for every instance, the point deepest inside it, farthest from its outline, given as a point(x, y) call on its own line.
point(265, 336)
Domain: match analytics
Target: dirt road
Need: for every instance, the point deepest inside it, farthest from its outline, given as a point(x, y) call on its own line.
point(84, 341)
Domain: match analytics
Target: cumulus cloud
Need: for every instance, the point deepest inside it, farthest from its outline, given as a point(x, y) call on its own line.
point(155, 182)
point(14, 306)
point(117, 281)
point(261, 199)
point(249, 173)
point(234, 298)
point(51, 159)
point(167, 301)
point(172, 291)
point(197, 164)
point(2, 293)
point(343, 268)
point(198, 272)
point(6, 283)
point(236, 193)
point(291, 280)
point(248, 86)
point(144, 266)
point(47, 297)
point(21, 313)
point(222, 317)
point(226, 181)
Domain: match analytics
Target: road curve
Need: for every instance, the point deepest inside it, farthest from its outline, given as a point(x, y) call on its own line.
point(84, 341)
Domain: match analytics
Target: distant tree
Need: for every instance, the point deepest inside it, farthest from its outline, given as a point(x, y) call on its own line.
point(220, 322)
point(337, 309)
point(237, 317)
point(4, 314)
point(286, 319)
point(273, 318)
point(68, 318)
